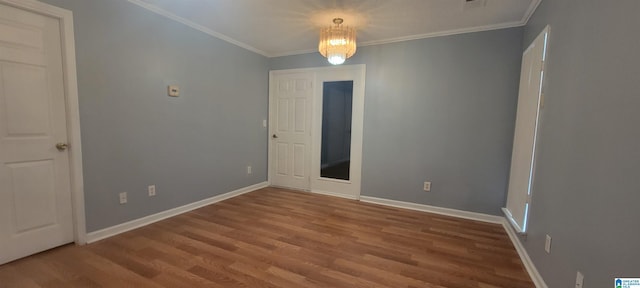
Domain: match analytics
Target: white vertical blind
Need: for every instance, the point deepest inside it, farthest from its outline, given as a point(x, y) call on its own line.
point(524, 142)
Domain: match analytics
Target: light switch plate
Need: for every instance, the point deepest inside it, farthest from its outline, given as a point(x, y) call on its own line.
point(174, 90)
point(547, 244)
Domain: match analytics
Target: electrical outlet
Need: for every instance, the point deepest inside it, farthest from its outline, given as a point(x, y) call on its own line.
point(249, 169)
point(547, 244)
point(264, 123)
point(152, 190)
point(427, 186)
point(579, 280)
point(123, 198)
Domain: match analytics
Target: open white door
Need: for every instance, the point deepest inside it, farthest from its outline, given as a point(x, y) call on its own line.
point(524, 142)
point(336, 166)
point(35, 168)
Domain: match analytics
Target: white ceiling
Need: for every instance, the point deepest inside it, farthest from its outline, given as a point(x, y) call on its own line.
point(286, 27)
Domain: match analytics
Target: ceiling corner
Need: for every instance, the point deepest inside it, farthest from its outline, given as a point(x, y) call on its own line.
point(532, 9)
point(196, 26)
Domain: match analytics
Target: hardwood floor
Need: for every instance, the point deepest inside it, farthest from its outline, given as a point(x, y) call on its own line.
point(280, 238)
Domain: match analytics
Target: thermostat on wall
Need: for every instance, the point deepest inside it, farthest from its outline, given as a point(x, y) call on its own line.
point(174, 90)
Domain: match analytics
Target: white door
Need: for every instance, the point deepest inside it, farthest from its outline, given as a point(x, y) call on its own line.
point(524, 142)
point(290, 127)
point(347, 186)
point(35, 196)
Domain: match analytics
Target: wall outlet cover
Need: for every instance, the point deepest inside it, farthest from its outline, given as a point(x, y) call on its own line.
point(579, 280)
point(123, 198)
point(174, 90)
point(427, 186)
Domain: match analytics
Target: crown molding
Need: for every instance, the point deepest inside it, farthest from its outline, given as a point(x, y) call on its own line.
point(532, 9)
point(155, 9)
point(444, 33)
point(189, 23)
point(418, 37)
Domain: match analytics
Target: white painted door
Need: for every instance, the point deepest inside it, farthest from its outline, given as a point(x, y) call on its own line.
point(35, 196)
point(524, 142)
point(349, 188)
point(290, 127)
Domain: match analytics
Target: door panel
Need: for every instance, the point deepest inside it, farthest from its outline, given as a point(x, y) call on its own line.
point(26, 100)
point(299, 160)
point(282, 125)
point(282, 156)
point(35, 196)
point(300, 121)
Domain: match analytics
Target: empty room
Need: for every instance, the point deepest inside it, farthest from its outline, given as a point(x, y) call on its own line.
point(320, 143)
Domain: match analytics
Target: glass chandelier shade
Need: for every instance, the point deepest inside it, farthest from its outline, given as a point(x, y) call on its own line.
point(337, 43)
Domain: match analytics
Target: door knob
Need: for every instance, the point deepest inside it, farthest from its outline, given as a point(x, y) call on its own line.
point(62, 146)
point(274, 136)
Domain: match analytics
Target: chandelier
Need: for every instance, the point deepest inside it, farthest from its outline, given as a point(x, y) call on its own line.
point(337, 43)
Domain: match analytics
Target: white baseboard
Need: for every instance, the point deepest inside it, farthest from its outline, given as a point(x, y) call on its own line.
point(526, 261)
point(433, 209)
point(127, 226)
point(352, 197)
point(524, 256)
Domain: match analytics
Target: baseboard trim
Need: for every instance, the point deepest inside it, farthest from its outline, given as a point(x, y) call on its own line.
point(433, 209)
point(352, 197)
point(524, 256)
point(127, 226)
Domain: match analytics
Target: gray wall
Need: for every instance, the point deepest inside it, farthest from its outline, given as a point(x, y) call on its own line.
point(586, 192)
point(192, 147)
point(440, 109)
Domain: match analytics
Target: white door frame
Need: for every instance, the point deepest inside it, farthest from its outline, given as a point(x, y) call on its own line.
point(72, 108)
point(357, 121)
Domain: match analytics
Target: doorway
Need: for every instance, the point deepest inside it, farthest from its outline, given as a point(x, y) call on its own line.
point(41, 201)
point(530, 104)
point(316, 122)
point(335, 142)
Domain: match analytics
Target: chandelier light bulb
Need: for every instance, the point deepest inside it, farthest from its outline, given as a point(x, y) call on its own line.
point(337, 43)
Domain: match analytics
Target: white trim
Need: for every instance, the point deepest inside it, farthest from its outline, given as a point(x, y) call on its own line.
point(416, 37)
point(298, 52)
point(532, 9)
point(513, 236)
point(444, 33)
point(434, 209)
point(524, 256)
point(127, 226)
point(512, 221)
point(155, 9)
point(189, 23)
point(72, 108)
point(352, 197)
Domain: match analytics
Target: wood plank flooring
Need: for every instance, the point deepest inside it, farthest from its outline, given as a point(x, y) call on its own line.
point(280, 238)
